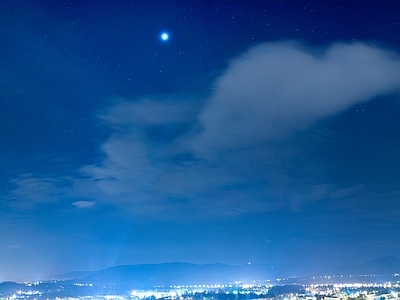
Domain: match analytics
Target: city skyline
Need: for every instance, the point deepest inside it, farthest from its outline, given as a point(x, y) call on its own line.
point(198, 131)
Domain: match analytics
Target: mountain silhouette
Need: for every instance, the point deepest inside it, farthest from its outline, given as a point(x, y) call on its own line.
point(383, 266)
point(181, 274)
point(172, 274)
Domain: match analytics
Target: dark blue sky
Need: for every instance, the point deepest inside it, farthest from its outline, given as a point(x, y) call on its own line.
point(263, 133)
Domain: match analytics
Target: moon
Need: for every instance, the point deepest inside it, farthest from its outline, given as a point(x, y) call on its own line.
point(164, 36)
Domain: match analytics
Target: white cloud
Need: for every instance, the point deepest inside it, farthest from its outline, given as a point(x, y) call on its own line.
point(276, 89)
point(263, 98)
point(126, 169)
point(84, 204)
point(145, 179)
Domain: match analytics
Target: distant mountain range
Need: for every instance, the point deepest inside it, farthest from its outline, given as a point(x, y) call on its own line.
point(122, 279)
point(167, 274)
point(173, 274)
point(383, 266)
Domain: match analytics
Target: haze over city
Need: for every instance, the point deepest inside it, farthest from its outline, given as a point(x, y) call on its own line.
point(235, 132)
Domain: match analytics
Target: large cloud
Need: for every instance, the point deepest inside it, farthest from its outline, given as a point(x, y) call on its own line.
point(158, 160)
point(278, 88)
point(263, 98)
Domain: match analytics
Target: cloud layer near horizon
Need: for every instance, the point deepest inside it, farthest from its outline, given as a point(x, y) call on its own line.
point(161, 158)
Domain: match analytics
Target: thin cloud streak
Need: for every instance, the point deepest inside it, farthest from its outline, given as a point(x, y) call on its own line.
point(84, 204)
point(29, 190)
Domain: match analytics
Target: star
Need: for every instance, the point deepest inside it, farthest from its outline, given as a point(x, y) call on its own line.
point(164, 36)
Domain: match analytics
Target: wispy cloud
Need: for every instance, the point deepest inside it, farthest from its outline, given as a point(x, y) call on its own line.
point(28, 191)
point(264, 98)
point(234, 152)
point(163, 110)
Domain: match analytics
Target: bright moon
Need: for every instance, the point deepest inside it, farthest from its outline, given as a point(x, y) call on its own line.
point(164, 36)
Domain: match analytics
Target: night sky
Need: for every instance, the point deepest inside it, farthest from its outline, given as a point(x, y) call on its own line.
point(262, 133)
